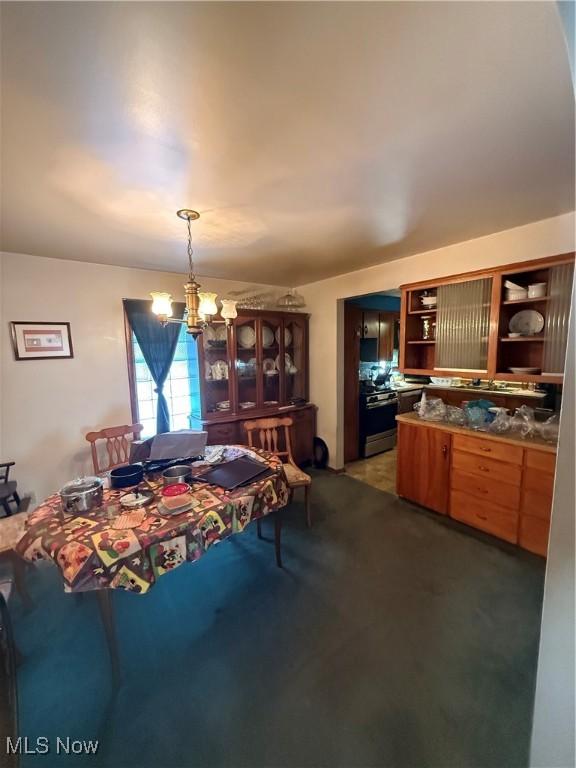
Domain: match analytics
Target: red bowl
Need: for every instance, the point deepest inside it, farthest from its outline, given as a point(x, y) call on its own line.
point(176, 489)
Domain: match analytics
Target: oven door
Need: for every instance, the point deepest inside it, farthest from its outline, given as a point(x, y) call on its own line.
point(379, 417)
point(378, 427)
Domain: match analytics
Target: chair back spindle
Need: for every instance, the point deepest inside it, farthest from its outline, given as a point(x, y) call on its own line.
point(117, 445)
point(265, 434)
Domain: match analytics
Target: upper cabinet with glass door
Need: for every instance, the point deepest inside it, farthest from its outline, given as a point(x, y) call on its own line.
point(247, 356)
point(269, 365)
point(508, 322)
point(295, 357)
point(215, 370)
point(259, 366)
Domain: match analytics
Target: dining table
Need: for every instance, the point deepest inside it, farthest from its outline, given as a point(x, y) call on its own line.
point(111, 547)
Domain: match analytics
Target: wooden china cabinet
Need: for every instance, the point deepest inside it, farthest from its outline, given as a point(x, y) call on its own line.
point(254, 368)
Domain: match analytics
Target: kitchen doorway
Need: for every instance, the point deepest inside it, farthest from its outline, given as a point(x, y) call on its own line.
point(371, 346)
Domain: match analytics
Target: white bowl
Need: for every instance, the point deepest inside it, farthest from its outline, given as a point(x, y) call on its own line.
point(441, 381)
point(537, 290)
point(516, 295)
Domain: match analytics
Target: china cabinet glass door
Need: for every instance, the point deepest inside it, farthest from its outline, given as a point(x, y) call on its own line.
point(247, 362)
point(293, 363)
point(216, 369)
point(271, 328)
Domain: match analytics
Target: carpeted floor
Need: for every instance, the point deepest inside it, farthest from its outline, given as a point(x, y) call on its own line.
point(391, 638)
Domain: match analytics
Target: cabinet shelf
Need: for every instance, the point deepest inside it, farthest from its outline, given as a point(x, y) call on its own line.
point(527, 301)
point(423, 341)
point(523, 339)
point(422, 311)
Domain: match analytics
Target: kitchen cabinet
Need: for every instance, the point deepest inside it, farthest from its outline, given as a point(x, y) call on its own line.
point(386, 335)
point(536, 503)
point(501, 485)
point(472, 318)
point(370, 325)
point(423, 466)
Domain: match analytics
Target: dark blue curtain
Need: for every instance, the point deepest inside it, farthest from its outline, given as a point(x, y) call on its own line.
point(158, 345)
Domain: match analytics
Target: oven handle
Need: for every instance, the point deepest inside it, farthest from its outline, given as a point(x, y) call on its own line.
point(382, 404)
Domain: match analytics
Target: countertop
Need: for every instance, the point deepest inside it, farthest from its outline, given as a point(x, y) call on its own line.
point(530, 442)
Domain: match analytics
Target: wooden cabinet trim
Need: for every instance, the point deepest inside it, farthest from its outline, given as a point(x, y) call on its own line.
point(505, 269)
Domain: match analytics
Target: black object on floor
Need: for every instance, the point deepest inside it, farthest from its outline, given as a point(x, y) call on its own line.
point(391, 638)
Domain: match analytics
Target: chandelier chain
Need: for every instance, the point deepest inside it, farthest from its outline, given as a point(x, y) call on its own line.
point(190, 251)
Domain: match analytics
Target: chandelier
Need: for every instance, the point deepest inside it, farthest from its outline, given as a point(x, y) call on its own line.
point(200, 305)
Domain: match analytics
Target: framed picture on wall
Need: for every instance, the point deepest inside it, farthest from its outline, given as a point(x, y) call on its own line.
point(41, 341)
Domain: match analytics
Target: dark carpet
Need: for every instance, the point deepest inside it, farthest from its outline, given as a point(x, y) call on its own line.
point(393, 637)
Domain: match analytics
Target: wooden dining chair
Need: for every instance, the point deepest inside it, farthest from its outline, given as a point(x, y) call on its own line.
point(11, 531)
point(8, 490)
point(117, 445)
point(273, 435)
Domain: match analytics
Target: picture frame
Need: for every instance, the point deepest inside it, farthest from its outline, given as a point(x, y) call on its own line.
point(41, 340)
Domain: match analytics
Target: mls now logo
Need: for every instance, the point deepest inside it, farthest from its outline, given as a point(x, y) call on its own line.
point(41, 746)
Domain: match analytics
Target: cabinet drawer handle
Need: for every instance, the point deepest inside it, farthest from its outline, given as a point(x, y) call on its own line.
point(444, 449)
point(481, 517)
point(482, 490)
point(483, 469)
point(488, 450)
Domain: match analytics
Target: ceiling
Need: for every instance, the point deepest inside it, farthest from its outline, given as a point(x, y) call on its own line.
point(314, 138)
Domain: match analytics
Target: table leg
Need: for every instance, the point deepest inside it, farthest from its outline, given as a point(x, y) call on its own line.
point(107, 616)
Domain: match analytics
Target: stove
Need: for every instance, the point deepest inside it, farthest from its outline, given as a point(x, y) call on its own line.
point(377, 420)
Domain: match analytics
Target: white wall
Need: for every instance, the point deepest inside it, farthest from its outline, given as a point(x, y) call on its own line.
point(47, 406)
point(554, 711)
point(543, 238)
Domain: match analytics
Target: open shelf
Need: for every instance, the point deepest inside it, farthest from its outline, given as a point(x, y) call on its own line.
point(523, 338)
point(527, 301)
point(423, 341)
point(422, 311)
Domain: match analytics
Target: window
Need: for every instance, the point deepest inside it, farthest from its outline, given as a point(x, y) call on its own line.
point(181, 390)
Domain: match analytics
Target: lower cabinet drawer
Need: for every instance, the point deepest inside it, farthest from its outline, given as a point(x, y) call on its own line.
point(496, 471)
point(224, 434)
point(484, 515)
point(501, 494)
point(512, 454)
point(534, 534)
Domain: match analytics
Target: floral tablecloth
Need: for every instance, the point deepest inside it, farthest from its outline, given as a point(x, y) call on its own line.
point(104, 549)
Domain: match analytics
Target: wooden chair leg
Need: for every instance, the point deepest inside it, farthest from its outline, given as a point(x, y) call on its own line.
point(16, 499)
point(277, 537)
point(259, 527)
point(6, 507)
point(307, 505)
